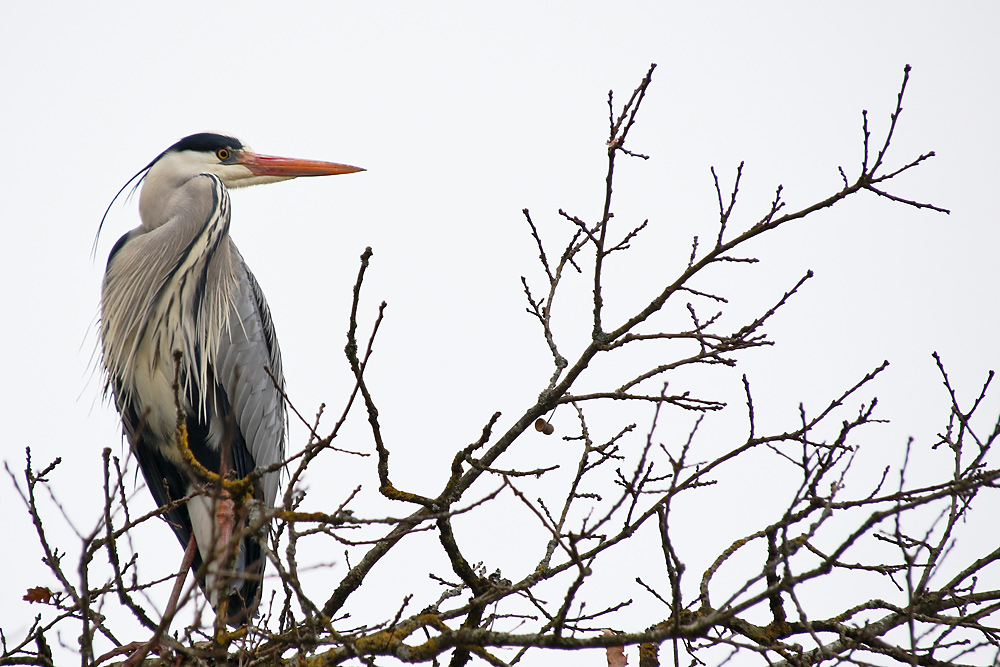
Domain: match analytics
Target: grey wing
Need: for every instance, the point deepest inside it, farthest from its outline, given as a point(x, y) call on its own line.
point(242, 365)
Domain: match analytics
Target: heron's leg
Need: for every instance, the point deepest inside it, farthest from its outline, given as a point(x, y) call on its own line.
point(225, 518)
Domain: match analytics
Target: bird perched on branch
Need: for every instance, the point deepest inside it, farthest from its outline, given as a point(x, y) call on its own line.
point(178, 301)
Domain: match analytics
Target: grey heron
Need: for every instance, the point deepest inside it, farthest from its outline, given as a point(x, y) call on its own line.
point(178, 298)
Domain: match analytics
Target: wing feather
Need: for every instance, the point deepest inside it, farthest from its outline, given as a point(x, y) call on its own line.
point(243, 362)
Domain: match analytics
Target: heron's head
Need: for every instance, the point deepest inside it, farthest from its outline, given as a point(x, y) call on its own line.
point(235, 164)
point(225, 157)
point(164, 179)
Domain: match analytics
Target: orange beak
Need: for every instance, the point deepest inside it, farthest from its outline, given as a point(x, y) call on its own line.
point(269, 165)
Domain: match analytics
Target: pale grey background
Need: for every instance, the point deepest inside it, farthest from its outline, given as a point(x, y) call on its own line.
point(464, 114)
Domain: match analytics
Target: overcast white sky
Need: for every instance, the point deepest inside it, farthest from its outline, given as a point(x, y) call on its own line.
point(464, 114)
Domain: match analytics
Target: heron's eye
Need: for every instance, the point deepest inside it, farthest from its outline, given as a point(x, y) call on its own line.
point(222, 154)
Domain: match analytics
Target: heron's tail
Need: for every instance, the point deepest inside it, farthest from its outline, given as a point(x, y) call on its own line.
point(238, 584)
point(245, 590)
